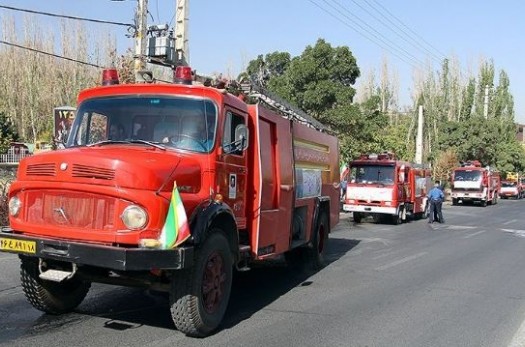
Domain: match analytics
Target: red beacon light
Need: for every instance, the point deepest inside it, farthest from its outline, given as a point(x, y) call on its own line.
point(109, 77)
point(183, 75)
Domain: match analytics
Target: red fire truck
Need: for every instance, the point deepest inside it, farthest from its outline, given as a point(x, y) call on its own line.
point(473, 183)
point(255, 185)
point(380, 185)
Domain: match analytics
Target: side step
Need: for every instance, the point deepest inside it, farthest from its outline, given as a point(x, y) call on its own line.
point(244, 252)
point(56, 275)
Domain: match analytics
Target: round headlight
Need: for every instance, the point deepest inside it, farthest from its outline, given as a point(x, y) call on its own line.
point(134, 217)
point(14, 206)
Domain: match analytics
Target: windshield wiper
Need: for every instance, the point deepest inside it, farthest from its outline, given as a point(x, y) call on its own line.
point(150, 143)
point(111, 142)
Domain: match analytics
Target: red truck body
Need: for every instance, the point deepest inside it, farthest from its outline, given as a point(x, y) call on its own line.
point(381, 185)
point(473, 183)
point(255, 186)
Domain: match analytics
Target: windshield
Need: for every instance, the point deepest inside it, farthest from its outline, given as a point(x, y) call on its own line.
point(174, 122)
point(467, 175)
point(508, 184)
point(373, 174)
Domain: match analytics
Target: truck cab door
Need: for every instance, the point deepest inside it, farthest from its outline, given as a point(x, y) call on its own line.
point(231, 164)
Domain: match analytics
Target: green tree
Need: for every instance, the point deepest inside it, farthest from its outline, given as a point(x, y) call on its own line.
point(8, 133)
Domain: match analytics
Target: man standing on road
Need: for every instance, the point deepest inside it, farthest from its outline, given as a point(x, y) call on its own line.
point(435, 198)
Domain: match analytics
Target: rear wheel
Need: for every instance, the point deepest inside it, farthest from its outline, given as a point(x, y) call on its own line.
point(199, 296)
point(454, 201)
point(315, 255)
point(357, 217)
point(47, 296)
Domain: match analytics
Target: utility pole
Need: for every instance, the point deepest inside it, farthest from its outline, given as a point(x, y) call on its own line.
point(141, 17)
point(181, 32)
point(486, 102)
point(419, 137)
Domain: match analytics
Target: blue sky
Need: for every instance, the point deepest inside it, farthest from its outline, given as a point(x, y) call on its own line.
point(225, 35)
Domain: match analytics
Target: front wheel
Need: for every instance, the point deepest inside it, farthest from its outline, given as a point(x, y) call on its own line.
point(357, 217)
point(47, 296)
point(398, 218)
point(199, 296)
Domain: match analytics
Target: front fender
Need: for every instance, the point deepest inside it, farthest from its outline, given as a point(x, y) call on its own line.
point(204, 217)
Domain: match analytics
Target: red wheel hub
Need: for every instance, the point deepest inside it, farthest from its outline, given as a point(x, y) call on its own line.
point(213, 282)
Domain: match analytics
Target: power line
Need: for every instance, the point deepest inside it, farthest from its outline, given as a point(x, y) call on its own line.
point(381, 37)
point(50, 54)
point(67, 17)
point(408, 28)
point(369, 36)
point(396, 29)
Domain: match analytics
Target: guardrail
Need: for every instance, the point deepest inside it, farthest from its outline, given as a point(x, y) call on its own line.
point(12, 157)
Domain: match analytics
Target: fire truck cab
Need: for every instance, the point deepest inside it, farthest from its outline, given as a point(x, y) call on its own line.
point(382, 186)
point(255, 183)
point(473, 183)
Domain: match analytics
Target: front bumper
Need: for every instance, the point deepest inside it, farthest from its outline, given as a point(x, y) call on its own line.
point(369, 209)
point(109, 257)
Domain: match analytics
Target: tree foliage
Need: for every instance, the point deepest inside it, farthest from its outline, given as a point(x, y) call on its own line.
point(8, 133)
point(32, 84)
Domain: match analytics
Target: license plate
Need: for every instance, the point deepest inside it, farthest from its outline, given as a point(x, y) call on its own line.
point(466, 194)
point(17, 245)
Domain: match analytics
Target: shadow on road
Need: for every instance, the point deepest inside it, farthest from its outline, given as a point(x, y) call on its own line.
point(124, 308)
point(254, 290)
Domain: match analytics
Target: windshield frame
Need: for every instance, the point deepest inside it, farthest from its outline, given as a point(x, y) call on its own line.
point(380, 169)
point(173, 108)
point(468, 175)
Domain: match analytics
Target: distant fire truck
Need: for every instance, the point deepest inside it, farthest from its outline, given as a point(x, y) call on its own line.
point(380, 185)
point(511, 187)
point(256, 182)
point(473, 183)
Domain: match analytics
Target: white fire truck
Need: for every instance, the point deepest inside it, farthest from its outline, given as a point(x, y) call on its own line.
point(473, 183)
point(382, 186)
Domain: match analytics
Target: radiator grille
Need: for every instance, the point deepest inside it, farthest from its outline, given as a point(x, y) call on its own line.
point(69, 209)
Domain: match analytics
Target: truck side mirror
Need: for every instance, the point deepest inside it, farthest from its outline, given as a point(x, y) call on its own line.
point(402, 173)
point(241, 136)
point(240, 142)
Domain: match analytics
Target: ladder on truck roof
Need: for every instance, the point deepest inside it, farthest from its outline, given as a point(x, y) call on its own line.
point(275, 102)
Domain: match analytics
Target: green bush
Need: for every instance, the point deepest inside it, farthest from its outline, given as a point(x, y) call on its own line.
point(3, 205)
point(6, 177)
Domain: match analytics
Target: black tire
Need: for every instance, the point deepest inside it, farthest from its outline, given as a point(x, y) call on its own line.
point(357, 217)
point(315, 255)
point(397, 218)
point(454, 202)
point(47, 296)
point(194, 312)
point(484, 203)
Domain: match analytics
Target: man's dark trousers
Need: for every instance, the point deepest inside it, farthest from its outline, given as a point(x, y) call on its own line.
point(435, 211)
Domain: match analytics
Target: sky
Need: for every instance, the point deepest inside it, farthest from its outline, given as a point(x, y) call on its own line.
point(225, 35)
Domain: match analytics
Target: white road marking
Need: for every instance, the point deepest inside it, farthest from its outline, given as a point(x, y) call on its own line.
point(401, 261)
point(515, 231)
point(510, 221)
point(374, 239)
point(519, 337)
point(460, 227)
point(474, 234)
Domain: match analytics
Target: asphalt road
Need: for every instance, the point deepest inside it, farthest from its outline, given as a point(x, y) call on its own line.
point(456, 284)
